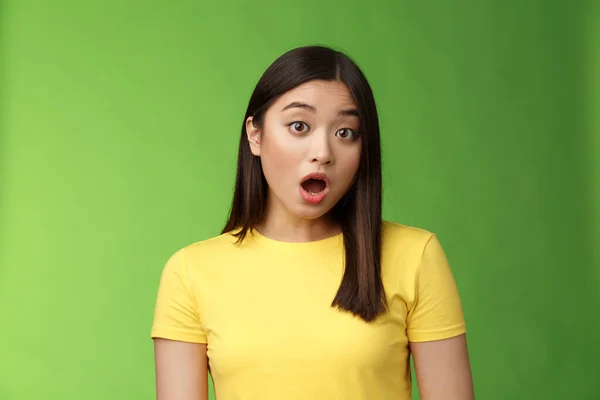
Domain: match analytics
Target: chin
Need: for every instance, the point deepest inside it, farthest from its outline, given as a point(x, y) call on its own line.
point(311, 212)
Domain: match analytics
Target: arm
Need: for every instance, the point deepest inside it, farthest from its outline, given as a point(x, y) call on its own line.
point(179, 339)
point(181, 370)
point(436, 330)
point(443, 369)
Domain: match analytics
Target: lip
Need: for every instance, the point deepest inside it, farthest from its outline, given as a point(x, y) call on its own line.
point(314, 198)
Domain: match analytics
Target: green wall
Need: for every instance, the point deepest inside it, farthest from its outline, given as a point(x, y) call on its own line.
point(119, 122)
point(593, 65)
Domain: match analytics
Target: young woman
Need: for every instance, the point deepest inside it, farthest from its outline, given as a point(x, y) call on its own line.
point(307, 293)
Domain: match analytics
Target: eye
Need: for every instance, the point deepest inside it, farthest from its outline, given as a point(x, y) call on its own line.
point(346, 133)
point(298, 127)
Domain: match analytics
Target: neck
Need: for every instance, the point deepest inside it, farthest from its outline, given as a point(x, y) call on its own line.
point(279, 224)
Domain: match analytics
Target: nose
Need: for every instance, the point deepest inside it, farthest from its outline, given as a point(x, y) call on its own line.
point(321, 149)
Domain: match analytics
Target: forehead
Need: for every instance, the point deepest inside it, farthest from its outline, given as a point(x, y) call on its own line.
point(320, 94)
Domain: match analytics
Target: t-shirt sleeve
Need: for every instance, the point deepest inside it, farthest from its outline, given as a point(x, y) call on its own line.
point(176, 310)
point(436, 312)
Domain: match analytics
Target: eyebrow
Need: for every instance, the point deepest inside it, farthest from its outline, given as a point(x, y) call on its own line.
point(297, 104)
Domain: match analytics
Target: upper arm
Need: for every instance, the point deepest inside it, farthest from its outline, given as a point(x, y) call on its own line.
point(176, 314)
point(179, 337)
point(443, 369)
point(436, 330)
point(436, 311)
point(181, 370)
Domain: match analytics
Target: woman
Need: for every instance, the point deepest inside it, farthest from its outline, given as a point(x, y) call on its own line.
point(307, 293)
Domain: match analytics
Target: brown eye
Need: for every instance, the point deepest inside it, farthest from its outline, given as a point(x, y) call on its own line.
point(346, 133)
point(298, 127)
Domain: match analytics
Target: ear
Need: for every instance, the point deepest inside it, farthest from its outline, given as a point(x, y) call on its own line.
point(254, 135)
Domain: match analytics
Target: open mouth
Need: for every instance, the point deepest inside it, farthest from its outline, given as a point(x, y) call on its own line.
point(314, 185)
point(314, 188)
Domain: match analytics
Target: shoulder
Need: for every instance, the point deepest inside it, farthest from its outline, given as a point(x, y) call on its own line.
point(208, 247)
point(196, 253)
point(402, 251)
point(396, 236)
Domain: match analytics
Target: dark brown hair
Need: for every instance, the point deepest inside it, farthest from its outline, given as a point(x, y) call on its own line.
point(361, 291)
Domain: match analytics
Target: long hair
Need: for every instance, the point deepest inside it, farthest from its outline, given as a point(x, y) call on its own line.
point(361, 291)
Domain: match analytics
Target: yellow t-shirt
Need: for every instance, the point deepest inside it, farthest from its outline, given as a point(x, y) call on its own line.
point(263, 308)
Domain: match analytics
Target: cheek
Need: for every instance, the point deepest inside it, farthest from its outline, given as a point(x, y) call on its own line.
point(351, 163)
point(279, 158)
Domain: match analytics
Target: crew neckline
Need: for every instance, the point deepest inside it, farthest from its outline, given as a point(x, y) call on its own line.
point(261, 238)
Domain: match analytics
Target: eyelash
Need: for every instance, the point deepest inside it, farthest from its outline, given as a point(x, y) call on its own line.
point(354, 133)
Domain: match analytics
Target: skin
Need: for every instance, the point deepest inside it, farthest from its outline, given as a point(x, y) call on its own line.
point(321, 136)
point(443, 369)
point(181, 370)
point(312, 128)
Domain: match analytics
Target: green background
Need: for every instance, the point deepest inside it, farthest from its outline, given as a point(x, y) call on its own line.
point(119, 122)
